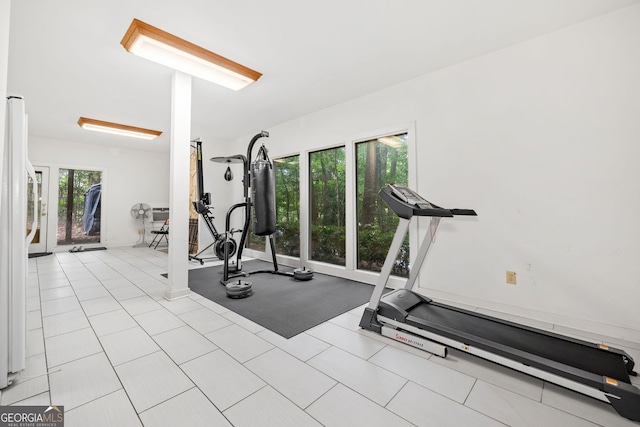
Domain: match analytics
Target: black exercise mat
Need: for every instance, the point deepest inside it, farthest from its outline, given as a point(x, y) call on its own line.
point(280, 303)
point(39, 254)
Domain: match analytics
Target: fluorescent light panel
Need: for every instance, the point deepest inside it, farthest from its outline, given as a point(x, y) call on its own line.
point(164, 48)
point(392, 141)
point(117, 128)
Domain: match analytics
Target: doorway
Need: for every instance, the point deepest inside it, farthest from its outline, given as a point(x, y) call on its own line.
point(79, 206)
point(39, 243)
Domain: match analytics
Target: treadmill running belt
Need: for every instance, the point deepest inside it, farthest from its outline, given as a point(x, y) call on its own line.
point(574, 354)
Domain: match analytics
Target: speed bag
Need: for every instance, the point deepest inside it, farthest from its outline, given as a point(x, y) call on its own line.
point(263, 196)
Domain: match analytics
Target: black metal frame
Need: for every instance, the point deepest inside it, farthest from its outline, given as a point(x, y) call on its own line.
point(247, 205)
point(202, 206)
point(161, 234)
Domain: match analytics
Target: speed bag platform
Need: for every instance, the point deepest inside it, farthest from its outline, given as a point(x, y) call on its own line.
point(239, 289)
point(303, 274)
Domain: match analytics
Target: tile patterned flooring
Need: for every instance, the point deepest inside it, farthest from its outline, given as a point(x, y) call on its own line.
point(104, 343)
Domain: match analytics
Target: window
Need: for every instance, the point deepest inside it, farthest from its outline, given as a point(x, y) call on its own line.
point(79, 203)
point(327, 205)
point(287, 236)
point(379, 162)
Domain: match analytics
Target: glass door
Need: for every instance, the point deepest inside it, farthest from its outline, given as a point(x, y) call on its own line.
point(39, 243)
point(79, 206)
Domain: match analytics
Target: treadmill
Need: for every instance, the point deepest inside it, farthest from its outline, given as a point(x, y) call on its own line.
point(595, 370)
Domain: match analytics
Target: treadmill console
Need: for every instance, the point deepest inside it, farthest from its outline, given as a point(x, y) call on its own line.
point(409, 196)
point(407, 203)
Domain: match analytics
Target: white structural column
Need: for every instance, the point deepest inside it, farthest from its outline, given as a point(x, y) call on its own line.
point(179, 186)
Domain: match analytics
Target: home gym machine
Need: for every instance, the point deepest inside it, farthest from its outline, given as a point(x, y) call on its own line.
point(222, 243)
point(260, 178)
point(596, 370)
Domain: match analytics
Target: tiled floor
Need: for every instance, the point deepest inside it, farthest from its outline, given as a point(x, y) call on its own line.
point(104, 343)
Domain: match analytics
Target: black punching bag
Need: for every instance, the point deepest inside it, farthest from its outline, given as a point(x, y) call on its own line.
point(263, 195)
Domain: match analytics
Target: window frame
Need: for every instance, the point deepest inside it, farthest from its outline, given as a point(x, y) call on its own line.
point(357, 223)
point(308, 201)
point(300, 207)
point(349, 270)
point(57, 209)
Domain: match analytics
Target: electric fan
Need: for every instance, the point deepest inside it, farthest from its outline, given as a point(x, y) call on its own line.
point(141, 212)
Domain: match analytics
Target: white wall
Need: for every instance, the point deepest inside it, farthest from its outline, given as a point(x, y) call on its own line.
point(542, 139)
point(129, 177)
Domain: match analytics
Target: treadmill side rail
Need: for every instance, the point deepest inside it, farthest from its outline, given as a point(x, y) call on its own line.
point(542, 374)
point(624, 398)
point(629, 363)
point(415, 341)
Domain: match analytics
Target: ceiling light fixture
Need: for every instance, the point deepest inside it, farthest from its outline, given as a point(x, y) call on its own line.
point(157, 45)
point(117, 129)
point(392, 141)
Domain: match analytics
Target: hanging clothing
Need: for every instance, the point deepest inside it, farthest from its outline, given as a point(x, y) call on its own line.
point(91, 216)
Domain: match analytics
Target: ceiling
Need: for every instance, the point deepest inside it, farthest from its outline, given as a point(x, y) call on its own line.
point(65, 57)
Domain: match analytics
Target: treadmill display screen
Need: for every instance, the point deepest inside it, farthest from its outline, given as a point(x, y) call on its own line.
point(409, 196)
point(407, 203)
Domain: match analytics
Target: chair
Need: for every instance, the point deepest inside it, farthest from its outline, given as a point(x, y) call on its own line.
point(160, 234)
